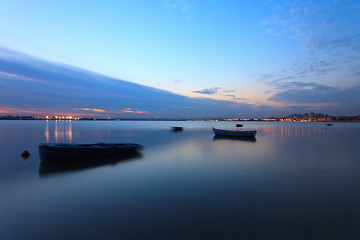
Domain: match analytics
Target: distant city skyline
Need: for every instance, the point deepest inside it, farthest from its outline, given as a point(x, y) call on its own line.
point(305, 117)
point(179, 58)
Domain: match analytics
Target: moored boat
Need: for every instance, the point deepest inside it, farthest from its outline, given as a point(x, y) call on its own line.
point(232, 133)
point(63, 151)
point(239, 125)
point(177, 129)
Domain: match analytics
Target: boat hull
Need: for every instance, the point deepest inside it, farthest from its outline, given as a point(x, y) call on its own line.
point(222, 132)
point(51, 152)
point(177, 129)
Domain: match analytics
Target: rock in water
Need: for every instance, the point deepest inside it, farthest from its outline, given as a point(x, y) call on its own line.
point(25, 154)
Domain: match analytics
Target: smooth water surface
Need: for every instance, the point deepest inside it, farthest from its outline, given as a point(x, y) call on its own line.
point(294, 181)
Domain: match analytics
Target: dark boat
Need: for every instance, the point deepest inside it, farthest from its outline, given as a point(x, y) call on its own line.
point(177, 129)
point(63, 151)
point(239, 125)
point(329, 124)
point(223, 132)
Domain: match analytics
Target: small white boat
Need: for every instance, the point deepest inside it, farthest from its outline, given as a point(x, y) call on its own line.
point(232, 133)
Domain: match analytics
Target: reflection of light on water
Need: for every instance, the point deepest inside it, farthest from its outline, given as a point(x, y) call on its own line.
point(287, 131)
point(69, 132)
point(62, 131)
point(47, 131)
point(56, 131)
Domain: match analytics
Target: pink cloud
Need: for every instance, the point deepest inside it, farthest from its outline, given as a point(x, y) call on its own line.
point(93, 109)
point(18, 110)
point(128, 110)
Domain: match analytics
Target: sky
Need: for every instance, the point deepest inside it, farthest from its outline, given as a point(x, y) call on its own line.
point(224, 58)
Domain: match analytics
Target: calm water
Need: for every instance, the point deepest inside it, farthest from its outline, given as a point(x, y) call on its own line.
point(296, 181)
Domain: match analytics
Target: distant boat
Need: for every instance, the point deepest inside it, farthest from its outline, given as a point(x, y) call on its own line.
point(329, 124)
point(222, 132)
point(63, 151)
point(239, 125)
point(177, 129)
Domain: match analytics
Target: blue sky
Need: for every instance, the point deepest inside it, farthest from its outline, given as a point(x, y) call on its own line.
point(279, 57)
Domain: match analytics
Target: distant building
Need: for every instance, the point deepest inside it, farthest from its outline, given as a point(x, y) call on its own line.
point(306, 117)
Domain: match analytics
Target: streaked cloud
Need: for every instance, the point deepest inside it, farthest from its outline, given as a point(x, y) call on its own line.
point(328, 33)
point(9, 110)
point(325, 98)
point(60, 89)
point(208, 91)
point(129, 110)
point(324, 74)
point(93, 109)
point(235, 98)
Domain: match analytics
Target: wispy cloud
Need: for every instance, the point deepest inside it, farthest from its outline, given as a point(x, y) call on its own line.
point(339, 46)
point(69, 90)
point(223, 94)
point(10, 110)
point(321, 97)
point(129, 110)
point(208, 91)
point(92, 109)
point(329, 34)
point(300, 92)
point(235, 98)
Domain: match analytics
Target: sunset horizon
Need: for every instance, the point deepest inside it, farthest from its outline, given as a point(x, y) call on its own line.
point(180, 58)
point(180, 119)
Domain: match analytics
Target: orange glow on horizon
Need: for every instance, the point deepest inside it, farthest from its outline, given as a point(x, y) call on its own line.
point(75, 112)
point(18, 111)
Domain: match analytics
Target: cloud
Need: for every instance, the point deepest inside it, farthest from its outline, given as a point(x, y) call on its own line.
point(301, 75)
point(223, 93)
point(330, 99)
point(8, 110)
point(300, 92)
point(31, 84)
point(328, 32)
point(208, 91)
point(300, 88)
point(93, 109)
point(129, 110)
point(235, 98)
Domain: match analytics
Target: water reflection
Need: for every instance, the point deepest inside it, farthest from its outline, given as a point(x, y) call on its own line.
point(297, 131)
point(62, 131)
point(300, 183)
point(229, 138)
point(47, 135)
point(48, 168)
